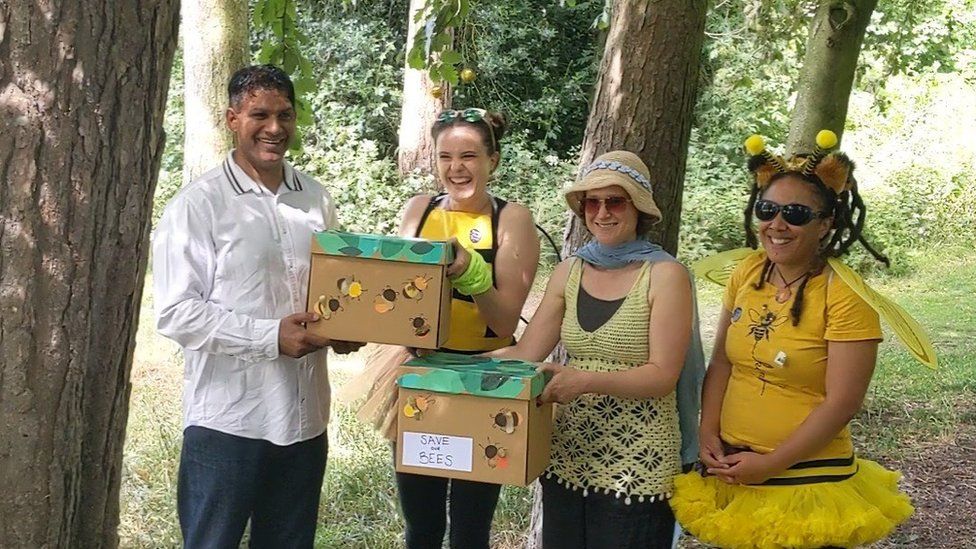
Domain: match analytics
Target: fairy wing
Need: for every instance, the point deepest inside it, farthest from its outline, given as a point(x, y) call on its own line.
point(908, 330)
point(718, 268)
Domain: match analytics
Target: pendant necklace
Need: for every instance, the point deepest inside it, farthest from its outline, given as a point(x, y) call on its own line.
point(786, 292)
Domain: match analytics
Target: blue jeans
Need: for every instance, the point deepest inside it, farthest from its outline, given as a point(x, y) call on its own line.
point(602, 521)
point(224, 480)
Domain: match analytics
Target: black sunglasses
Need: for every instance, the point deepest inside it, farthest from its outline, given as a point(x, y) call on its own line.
point(794, 214)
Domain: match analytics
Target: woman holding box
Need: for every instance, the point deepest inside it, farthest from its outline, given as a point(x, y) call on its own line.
point(497, 253)
point(623, 309)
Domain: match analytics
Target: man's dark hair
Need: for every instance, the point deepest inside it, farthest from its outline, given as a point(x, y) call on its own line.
point(258, 77)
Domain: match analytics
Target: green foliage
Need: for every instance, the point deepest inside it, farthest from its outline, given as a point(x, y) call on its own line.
point(275, 24)
point(534, 179)
point(171, 165)
point(432, 46)
point(545, 95)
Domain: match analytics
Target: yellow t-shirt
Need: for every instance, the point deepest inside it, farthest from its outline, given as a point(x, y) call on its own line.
point(779, 370)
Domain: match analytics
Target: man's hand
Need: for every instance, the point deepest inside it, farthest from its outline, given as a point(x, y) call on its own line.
point(295, 340)
point(345, 347)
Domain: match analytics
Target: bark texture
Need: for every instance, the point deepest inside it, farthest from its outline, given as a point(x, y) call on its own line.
point(82, 91)
point(834, 43)
point(215, 44)
point(644, 100)
point(415, 151)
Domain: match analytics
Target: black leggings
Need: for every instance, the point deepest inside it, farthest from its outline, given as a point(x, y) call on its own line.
point(602, 521)
point(423, 500)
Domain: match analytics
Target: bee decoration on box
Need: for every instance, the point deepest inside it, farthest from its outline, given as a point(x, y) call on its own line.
point(496, 455)
point(420, 326)
point(414, 288)
point(385, 301)
point(416, 406)
point(326, 307)
point(350, 287)
point(506, 420)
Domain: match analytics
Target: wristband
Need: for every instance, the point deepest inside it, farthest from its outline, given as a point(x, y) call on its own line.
point(476, 279)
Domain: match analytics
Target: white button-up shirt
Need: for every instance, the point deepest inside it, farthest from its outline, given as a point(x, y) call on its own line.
point(230, 259)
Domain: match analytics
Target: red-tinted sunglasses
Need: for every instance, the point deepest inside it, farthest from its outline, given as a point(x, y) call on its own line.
point(613, 204)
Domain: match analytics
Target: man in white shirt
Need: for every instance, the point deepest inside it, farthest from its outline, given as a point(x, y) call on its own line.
point(230, 269)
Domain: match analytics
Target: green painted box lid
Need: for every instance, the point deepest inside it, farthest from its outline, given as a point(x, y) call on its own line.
point(473, 375)
point(389, 248)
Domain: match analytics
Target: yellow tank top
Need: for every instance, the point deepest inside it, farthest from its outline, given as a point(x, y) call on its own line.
point(469, 332)
point(629, 446)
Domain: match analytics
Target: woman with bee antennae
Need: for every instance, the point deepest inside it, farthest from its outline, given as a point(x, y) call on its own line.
point(794, 353)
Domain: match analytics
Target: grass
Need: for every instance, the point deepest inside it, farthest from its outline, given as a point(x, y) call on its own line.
point(908, 411)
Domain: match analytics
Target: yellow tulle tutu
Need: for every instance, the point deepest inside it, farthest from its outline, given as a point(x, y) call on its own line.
point(856, 511)
point(377, 382)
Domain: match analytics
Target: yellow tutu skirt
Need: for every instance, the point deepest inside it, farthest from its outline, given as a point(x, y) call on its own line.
point(377, 383)
point(862, 509)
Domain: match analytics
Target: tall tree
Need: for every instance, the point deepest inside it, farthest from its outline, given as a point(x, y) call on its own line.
point(421, 105)
point(82, 88)
point(825, 82)
point(644, 99)
point(215, 44)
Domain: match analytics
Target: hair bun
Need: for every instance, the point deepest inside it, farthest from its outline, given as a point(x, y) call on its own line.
point(498, 122)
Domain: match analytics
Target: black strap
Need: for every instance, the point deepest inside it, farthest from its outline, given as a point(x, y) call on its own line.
point(430, 207)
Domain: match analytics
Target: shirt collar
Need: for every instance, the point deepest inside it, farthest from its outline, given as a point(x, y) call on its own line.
point(240, 182)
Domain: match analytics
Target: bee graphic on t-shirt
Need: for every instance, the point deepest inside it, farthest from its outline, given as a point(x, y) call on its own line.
point(763, 323)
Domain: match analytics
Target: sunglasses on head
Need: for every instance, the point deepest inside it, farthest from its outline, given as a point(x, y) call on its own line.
point(469, 115)
point(794, 214)
point(613, 204)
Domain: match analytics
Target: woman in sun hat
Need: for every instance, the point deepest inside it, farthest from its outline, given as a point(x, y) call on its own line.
point(623, 308)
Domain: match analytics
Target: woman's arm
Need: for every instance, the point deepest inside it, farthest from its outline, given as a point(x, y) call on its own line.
point(542, 333)
point(669, 330)
point(516, 261)
point(850, 365)
point(412, 210)
point(713, 394)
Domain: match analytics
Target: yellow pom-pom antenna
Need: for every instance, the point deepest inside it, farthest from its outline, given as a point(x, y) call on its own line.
point(755, 144)
point(826, 139)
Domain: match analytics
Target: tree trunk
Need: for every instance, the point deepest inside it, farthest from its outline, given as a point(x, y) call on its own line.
point(215, 44)
point(833, 46)
point(83, 88)
point(644, 100)
point(420, 108)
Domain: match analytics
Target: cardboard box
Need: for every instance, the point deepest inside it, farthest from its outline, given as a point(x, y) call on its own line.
point(380, 289)
point(472, 418)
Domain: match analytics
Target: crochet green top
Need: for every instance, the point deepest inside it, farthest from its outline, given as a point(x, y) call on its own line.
point(600, 442)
